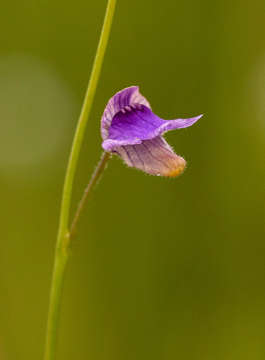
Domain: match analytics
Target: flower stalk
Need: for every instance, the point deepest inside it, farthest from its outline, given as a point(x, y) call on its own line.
point(64, 234)
point(93, 181)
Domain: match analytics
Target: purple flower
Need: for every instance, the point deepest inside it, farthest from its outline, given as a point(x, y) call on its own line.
point(130, 129)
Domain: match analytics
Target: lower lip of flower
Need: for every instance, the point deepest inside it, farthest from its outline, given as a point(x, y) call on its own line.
point(177, 170)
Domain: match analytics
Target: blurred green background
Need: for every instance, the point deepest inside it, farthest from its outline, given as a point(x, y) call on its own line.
point(161, 269)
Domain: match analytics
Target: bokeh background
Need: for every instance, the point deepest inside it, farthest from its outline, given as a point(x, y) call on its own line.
point(160, 269)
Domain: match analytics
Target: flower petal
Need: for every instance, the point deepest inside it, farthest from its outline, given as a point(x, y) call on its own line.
point(135, 123)
point(154, 157)
point(126, 97)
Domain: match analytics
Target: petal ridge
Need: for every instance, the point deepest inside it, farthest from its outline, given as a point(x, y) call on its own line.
point(126, 97)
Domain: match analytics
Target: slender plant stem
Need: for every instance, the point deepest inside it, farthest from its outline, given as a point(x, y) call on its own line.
point(93, 180)
point(63, 238)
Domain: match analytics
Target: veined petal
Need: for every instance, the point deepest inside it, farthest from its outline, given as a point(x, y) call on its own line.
point(126, 97)
point(153, 156)
point(135, 123)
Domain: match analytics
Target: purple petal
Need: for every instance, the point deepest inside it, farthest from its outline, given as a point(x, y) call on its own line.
point(126, 97)
point(135, 123)
point(154, 157)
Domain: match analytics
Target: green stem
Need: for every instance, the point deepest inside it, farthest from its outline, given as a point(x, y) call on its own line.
point(63, 238)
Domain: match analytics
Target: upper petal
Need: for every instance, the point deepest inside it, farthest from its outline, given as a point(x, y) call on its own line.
point(136, 123)
point(126, 97)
